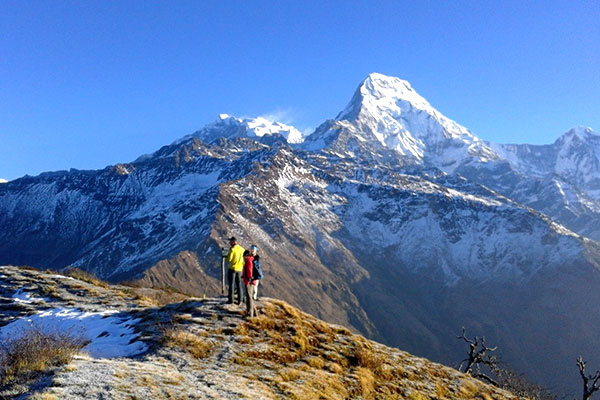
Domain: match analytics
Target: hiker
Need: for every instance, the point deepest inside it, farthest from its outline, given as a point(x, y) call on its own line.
point(235, 257)
point(249, 282)
point(257, 271)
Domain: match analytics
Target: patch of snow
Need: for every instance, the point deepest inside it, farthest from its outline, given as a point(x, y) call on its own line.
point(3, 180)
point(111, 334)
point(60, 276)
point(24, 297)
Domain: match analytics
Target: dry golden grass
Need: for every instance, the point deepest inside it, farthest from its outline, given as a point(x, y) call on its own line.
point(174, 379)
point(182, 317)
point(157, 296)
point(289, 374)
point(366, 357)
point(415, 395)
point(197, 346)
point(244, 339)
point(335, 368)
point(314, 360)
point(362, 383)
point(299, 384)
point(70, 368)
point(442, 392)
point(36, 351)
point(86, 277)
point(148, 381)
point(119, 374)
point(44, 396)
point(50, 291)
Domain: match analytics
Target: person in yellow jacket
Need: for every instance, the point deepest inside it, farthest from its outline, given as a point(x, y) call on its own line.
point(235, 257)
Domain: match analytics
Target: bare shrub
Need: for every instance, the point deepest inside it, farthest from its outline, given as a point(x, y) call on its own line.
point(36, 351)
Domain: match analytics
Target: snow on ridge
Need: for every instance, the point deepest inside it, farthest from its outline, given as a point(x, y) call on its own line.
point(578, 132)
point(574, 156)
point(261, 126)
point(3, 180)
point(227, 126)
point(110, 333)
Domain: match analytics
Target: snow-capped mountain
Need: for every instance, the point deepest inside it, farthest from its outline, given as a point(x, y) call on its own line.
point(388, 121)
point(561, 179)
point(228, 127)
point(389, 112)
point(390, 218)
point(574, 157)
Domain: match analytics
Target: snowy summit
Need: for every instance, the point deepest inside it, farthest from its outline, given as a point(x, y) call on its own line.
point(389, 111)
point(231, 127)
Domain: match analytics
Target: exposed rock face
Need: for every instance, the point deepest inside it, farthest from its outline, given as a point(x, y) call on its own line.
point(391, 219)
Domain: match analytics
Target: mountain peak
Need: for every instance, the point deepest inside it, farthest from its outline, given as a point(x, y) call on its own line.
point(227, 126)
point(579, 133)
point(389, 111)
point(377, 87)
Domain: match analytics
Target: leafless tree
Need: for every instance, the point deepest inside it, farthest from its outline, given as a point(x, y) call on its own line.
point(591, 383)
point(478, 358)
point(481, 363)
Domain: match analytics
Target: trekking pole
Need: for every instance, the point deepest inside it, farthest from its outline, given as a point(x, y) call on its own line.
point(223, 255)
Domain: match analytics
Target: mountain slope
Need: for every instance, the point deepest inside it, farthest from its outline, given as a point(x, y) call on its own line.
point(199, 349)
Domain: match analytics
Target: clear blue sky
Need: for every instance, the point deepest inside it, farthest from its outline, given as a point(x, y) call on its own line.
point(85, 84)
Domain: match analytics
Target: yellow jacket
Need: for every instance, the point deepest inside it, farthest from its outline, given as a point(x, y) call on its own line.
point(236, 258)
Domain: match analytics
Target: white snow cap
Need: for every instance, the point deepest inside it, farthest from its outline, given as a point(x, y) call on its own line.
point(402, 120)
point(229, 127)
point(260, 126)
point(579, 132)
point(3, 180)
point(383, 89)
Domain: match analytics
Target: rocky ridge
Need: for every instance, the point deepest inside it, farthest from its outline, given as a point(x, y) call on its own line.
point(205, 349)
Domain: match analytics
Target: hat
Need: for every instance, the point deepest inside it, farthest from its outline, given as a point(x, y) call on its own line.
point(232, 238)
point(253, 247)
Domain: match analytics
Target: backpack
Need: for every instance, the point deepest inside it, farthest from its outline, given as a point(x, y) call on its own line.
point(257, 273)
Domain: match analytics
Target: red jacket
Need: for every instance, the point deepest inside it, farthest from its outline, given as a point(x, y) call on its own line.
point(248, 268)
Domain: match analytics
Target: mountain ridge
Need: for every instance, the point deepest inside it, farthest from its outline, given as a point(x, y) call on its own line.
point(203, 348)
point(352, 231)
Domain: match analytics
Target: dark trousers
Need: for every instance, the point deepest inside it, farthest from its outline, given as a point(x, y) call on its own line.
point(235, 278)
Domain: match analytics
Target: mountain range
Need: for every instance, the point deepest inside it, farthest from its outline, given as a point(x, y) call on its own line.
point(390, 219)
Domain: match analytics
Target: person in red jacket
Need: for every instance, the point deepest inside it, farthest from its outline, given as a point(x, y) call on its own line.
point(249, 282)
